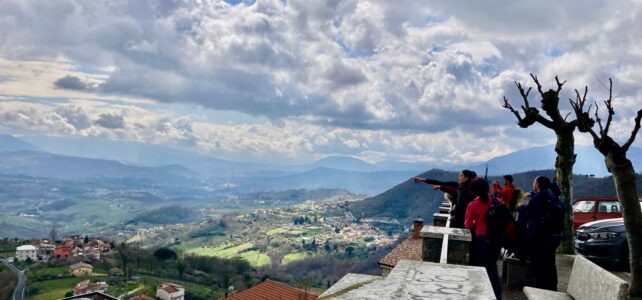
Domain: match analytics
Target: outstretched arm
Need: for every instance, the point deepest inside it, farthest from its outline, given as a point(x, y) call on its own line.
point(435, 182)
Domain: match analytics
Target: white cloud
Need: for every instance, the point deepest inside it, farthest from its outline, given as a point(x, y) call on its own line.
point(407, 79)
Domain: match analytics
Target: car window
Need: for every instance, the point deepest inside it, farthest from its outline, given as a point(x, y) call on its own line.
point(609, 207)
point(584, 206)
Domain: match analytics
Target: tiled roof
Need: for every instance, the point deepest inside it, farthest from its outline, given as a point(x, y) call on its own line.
point(409, 249)
point(80, 265)
point(83, 283)
point(171, 287)
point(272, 290)
point(92, 296)
point(26, 248)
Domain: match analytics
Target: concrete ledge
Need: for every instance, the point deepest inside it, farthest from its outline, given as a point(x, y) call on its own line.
point(535, 294)
point(347, 283)
point(422, 280)
point(444, 210)
point(440, 219)
point(457, 244)
point(454, 234)
point(590, 281)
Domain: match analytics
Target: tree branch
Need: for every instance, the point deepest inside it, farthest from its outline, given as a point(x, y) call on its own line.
point(583, 121)
point(524, 94)
point(634, 132)
point(609, 108)
point(539, 86)
point(559, 85)
point(546, 122)
point(598, 120)
point(510, 107)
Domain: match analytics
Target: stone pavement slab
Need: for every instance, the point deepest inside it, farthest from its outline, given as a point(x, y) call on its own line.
point(424, 280)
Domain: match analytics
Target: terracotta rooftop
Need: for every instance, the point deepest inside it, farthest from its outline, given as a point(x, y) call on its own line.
point(80, 265)
point(171, 288)
point(92, 296)
point(409, 249)
point(272, 290)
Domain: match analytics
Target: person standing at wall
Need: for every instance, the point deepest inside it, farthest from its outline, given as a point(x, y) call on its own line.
point(461, 192)
point(544, 221)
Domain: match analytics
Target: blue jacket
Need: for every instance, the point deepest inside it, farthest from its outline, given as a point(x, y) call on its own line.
point(536, 211)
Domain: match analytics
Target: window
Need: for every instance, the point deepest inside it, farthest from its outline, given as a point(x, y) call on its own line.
point(584, 206)
point(609, 207)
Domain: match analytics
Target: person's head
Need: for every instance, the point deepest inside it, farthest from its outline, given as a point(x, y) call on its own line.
point(508, 179)
point(526, 198)
point(541, 183)
point(479, 187)
point(466, 176)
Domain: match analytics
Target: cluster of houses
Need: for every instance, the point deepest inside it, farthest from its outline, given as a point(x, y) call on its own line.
point(88, 290)
point(69, 247)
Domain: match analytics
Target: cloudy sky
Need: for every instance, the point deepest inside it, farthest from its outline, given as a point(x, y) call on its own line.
point(295, 81)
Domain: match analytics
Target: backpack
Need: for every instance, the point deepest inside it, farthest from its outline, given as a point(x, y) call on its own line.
point(553, 219)
point(516, 200)
point(501, 227)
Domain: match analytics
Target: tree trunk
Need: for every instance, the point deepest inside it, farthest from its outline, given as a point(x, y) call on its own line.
point(624, 177)
point(564, 162)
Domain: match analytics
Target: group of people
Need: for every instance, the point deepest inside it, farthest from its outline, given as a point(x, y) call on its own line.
point(535, 240)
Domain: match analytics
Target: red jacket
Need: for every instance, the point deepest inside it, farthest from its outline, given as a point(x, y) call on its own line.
point(506, 194)
point(476, 216)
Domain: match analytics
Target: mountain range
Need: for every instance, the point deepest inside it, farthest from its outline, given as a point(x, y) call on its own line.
point(82, 159)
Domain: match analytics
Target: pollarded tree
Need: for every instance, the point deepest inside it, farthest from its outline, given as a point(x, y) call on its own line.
point(623, 175)
point(565, 146)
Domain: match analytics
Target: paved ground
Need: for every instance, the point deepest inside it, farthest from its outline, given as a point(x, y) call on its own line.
point(19, 293)
point(564, 265)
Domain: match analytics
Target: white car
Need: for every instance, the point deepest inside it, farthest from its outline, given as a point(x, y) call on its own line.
point(10, 259)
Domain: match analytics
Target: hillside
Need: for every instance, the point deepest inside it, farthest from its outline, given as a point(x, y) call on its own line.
point(369, 183)
point(11, 143)
point(408, 200)
point(61, 167)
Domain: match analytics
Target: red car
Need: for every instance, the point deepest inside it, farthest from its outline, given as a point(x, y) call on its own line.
point(589, 209)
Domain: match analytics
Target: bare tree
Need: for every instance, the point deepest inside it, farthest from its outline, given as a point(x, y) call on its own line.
point(623, 174)
point(565, 146)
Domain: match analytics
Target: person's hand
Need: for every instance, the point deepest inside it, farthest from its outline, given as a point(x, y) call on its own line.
point(435, 187)
point(419, 179)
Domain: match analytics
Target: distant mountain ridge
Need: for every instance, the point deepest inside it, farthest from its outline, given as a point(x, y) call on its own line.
point(10, 143)
point(61, 167)
point(408, 200)
point(588, 161)
point(369, 183)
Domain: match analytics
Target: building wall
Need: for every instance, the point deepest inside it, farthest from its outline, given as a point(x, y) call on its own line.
point(162, 294)
point(22, 255)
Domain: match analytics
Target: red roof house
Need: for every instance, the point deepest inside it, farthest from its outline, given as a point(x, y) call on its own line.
point(272, 290)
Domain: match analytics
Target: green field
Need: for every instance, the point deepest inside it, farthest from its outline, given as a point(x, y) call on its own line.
point(292, 257)
point(254, 257)
point(53, 289)
point(281, 230)
point(277, 231)
point(34, 272)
